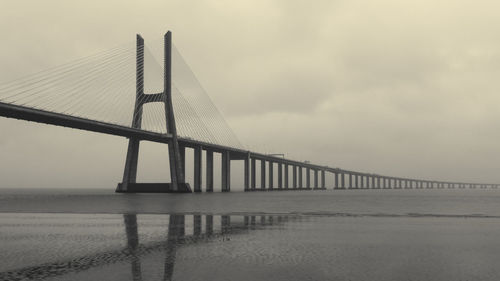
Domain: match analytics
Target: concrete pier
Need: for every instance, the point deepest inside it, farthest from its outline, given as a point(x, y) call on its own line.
point(336, 184)
point(263, 174)
point(316, 185)
point(294, 176)
point(308, 178)
point(271, 175)
point(253, 184)
point(226, 171)
point(286, 176)
point(301, 185)
point(323, 179)
point(210, 171)
point(246, 176)
point(280, 175)
point(197, 169)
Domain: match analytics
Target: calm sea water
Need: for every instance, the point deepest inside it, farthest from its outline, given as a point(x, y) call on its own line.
point(301, 235)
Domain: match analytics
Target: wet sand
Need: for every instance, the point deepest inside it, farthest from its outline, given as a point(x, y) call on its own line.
point(274, 236)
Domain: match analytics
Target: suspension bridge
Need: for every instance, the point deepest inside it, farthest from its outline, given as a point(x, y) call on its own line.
point(99, 93)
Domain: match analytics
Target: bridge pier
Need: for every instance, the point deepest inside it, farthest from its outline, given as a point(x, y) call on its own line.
point(286, 175)
point(263, 174)
point(197, 169)
point(226, 171)
point(280, 175)
point(316, 185)
point(246, 176)
point(210, 171)
point(342, 178)
point(252, 174)
point(301, 184)
point(336, 183)
point(271, 176)
point(294, 176)
point(323, 179)
point(308, 178)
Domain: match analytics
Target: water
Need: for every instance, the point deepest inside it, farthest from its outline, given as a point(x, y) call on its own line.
point(303, 235)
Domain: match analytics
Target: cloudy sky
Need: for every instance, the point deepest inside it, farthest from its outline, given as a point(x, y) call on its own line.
point(404, 88)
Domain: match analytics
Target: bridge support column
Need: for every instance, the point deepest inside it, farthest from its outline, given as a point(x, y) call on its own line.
point(286, 176)
point(323, 179)
point(271, 175)
point(316, 185)
point(210, 171)
point(294, 176)
point(342, 180)
point(226, 171)
point(197, 169)
point(350, 181)
point(246, 175)
point(301, 183)
point(280, 175)
point(263, 174)
point(308, 178)
point(362, 179)
point(252, 180)
point(336, 184)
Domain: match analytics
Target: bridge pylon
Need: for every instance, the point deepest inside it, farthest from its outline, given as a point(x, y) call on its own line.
point(129, 182)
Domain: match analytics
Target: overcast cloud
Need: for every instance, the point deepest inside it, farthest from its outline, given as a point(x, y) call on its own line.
point(404, 88)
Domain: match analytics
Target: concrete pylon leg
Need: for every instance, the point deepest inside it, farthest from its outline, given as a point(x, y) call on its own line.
point(176, 171)
point(130, 171)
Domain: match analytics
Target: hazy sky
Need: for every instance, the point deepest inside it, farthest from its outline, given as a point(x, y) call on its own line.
point(404, 88)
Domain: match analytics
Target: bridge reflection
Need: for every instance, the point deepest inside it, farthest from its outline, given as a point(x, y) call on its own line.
point(203, 230)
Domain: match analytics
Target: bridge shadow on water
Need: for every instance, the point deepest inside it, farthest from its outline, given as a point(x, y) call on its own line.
point(134, 251)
